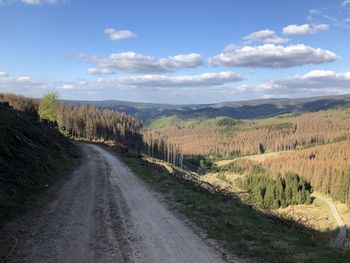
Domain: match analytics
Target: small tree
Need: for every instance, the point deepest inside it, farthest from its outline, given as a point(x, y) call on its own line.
point(261, 148)
point(48, 107)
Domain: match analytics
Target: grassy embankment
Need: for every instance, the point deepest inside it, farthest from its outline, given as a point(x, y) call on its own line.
point(243, 231)
point(33, 156)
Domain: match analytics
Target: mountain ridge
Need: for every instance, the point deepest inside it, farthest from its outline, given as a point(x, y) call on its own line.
point(247, 109)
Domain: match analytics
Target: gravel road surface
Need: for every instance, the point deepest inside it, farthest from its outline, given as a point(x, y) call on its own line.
point(104, 213)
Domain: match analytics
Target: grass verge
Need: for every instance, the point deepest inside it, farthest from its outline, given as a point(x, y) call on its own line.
point(240, 229)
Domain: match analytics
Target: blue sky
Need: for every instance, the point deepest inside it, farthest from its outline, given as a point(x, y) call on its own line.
point(175, 51)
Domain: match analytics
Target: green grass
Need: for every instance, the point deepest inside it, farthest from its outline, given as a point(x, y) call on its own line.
point(161, 122)
point(242, 230)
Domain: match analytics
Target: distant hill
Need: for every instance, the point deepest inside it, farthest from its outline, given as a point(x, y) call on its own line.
point(250, 109)
point(33, 155)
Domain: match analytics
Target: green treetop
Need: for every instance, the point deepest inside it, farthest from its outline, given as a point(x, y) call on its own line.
point(48, 107)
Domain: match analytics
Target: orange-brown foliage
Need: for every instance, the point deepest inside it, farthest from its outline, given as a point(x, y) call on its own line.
point(324, 166)
point(276, 134)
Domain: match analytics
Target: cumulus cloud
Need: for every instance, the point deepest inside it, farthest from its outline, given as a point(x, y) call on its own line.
point(7, 80)
point(136, 85)
point(198, 88)
point(23, 85)
point(102, 71)
point(208, 87)
point(116, 35)
point(138, 63)
point(266, 36)
point(273, 56)
point(66, 86)
point(166, 81)
point(305, 29)
point(315, 82)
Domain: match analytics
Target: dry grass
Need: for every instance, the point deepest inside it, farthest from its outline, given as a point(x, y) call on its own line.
point(166, 165)
point(224, 180)
point(317, 215)
point(256, 157)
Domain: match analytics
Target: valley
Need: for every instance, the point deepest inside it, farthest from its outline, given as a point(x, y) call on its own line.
point(174, 131)
point(239, 189)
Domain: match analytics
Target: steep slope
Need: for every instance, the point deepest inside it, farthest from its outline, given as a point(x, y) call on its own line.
point(32, 156)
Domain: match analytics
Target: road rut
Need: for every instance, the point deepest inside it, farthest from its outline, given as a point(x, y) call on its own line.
point(104, 213)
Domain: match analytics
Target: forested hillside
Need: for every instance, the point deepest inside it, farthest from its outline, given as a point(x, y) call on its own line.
point(224, 135)
point(314, 146)
point(92, 124)
point(83, 122)
point(326, 167)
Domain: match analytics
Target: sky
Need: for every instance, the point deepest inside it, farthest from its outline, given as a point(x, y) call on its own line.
point(175, 51)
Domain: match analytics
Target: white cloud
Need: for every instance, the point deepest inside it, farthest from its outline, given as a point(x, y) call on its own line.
point(3, 74)
point(138, 63)
point(201, 88)
point(24, 78)
point(66, 86)
point(231, 47)
point(172, 63)
point(305, 29)
point(165, 81)
point(119, 35)
point(345, 3)
point(103, 71)
point(266, 36)
point(198, 88)
point(315, 12)
point(316, 82)
point(23, 85)
point(273, 56)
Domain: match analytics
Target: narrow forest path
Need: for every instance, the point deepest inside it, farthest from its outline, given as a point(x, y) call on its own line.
point(340, 238)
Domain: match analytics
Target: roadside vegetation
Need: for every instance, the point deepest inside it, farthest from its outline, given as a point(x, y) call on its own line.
point(241, 229)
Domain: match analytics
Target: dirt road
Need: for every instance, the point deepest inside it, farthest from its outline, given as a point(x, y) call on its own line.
point(104, 213)
point(339, 240)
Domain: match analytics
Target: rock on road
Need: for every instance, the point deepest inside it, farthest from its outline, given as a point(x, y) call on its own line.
point(104, 213)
